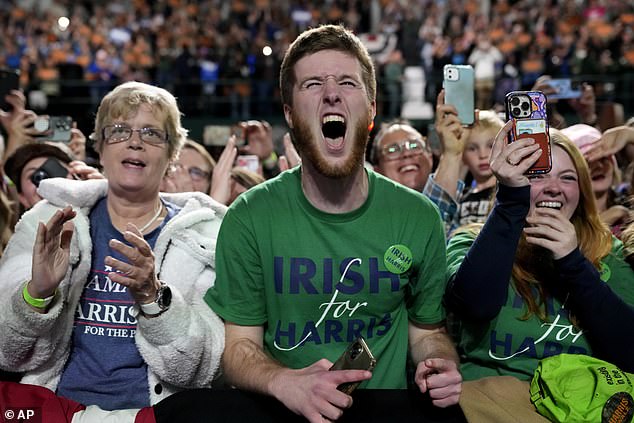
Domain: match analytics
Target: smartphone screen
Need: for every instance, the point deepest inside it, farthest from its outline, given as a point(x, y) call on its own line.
point(527, 110)
point(458, 82)
point(248, 161)
point(9, 80)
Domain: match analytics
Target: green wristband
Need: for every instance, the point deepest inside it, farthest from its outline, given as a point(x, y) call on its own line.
point(36, 302)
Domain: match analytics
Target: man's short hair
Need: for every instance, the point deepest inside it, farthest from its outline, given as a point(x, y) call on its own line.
point(22, 155)
point(325, 37)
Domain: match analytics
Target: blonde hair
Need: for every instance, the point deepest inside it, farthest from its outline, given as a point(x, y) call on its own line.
point(198, 148)
point(126, 99)
point(489, 120)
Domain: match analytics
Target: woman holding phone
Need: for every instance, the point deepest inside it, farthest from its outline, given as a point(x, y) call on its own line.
point(559, 283)
point(103, 280)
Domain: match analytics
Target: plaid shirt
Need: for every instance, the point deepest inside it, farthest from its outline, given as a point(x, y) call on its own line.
point(447, 206)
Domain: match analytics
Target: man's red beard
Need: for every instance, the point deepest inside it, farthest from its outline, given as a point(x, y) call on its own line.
point(307, 147)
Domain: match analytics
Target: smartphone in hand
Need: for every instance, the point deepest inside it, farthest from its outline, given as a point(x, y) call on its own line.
point(54, 128)
point(218, 135)
point(564, 89)
point(527, 110)
point(9, 80)
point(458, 82)
point(357, 356)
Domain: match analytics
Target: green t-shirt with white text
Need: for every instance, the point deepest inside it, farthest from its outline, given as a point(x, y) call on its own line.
point(316, 281)
point(509, 345)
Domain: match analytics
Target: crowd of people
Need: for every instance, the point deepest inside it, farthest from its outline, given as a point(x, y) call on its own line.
point(222, 57)
point(137, 277)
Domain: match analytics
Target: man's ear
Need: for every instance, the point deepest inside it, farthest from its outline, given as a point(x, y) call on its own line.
point(288, 115)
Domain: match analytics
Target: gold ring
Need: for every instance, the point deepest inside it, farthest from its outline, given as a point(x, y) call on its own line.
point(510, 162)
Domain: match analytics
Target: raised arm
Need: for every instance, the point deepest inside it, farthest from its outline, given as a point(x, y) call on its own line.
point(452, 138)
point(478, 289)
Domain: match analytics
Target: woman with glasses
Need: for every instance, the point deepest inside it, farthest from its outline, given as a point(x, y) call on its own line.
point(400, 152)
point(191, 172)
point(103, 281)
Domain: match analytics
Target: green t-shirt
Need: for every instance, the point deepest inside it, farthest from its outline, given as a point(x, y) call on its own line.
point(508, 345)
point(315, 281)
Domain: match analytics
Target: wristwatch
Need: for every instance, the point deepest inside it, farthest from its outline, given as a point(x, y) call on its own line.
point(160, 304)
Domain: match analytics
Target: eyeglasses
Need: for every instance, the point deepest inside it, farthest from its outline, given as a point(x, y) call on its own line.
point(113, 134)
point(196, 173)
point(393, 151)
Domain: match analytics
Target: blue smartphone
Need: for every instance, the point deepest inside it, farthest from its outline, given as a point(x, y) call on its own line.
point(564, 88)
point(458, 82)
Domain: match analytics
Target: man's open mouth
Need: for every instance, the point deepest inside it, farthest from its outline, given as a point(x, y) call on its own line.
point(333, 127)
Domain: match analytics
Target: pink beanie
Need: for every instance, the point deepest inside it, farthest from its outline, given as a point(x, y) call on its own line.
point(582, 135)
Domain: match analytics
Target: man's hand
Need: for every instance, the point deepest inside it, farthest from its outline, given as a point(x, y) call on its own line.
point(437, 363)
point(441, 379)
point(312, 391)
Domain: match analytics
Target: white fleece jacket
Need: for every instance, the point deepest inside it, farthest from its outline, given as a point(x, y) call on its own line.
point(182, 347)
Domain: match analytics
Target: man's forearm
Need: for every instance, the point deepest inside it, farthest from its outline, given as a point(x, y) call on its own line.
point(248, 367)
point(435, 345)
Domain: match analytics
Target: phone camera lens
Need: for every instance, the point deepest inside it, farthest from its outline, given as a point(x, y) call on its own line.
point(515, 101)
point(525, 106)
point(41, 124)
point(517, 112)
point(38, 176)
point(356, 350)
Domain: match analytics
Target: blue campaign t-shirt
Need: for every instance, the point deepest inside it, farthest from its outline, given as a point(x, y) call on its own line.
point(105, 367)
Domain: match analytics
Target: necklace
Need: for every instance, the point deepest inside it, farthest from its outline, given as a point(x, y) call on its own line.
point(153, 219)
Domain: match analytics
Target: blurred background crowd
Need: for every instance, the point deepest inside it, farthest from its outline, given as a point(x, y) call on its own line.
point(221, 58)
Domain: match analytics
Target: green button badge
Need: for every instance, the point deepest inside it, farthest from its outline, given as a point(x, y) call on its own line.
point(398, 259)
